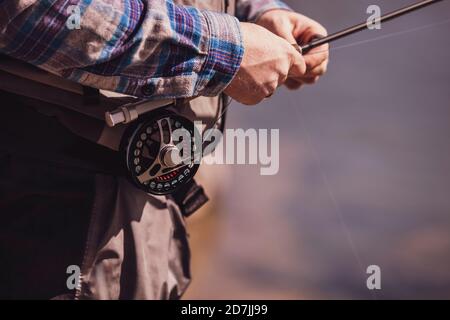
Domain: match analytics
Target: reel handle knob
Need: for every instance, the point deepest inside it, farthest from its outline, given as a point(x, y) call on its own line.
point(170, 156)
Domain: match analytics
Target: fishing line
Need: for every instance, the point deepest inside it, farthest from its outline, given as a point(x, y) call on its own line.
point(353, 44)
point(387, 36)
point(302, 118)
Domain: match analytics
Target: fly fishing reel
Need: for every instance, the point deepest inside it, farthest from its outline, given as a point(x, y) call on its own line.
point(160, 152)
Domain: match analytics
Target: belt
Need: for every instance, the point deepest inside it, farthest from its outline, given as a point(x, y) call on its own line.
point(35, 135)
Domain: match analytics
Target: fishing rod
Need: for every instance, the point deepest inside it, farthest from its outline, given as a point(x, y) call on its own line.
point(365, 25)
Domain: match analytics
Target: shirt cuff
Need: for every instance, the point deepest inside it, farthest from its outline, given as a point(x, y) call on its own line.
point(225, 52)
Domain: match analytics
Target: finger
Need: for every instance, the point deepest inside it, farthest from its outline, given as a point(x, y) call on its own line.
point(311, 80)
point(316, 31)
point(320, 70)
point(307, 29)
point(311, 76)
point(306, 79)
point(316, 57)
point(298, 64)
point(293, 84)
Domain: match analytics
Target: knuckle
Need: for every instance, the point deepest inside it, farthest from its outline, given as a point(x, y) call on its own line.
point(312, 80)
point(321, 71)
point(261, 92)
point(273, 85)
point(303, 68)
point(258, 100)
point(266, 92)
point(251, 101)
point(323, 31)
point(315, 80)
point(272, 82)
point(283, 73)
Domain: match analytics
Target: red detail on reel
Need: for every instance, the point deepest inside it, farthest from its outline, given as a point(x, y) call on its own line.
point(168, 176)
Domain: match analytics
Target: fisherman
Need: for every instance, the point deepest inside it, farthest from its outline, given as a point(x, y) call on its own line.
point(67, 211)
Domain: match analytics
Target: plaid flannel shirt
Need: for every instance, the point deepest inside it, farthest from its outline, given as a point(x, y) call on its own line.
point(147, 48)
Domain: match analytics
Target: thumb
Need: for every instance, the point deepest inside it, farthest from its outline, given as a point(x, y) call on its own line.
point(298, 64)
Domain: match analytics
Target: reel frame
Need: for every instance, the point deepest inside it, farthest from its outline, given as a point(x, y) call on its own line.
point(147, 149)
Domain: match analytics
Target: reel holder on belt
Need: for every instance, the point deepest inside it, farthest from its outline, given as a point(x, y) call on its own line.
point(153, 159)
point(149, 150)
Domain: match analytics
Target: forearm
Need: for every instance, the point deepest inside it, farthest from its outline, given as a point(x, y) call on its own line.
point(149, 48)
point(251, 10)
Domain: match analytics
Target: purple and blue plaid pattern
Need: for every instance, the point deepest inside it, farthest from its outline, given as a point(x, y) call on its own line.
point(148, 48)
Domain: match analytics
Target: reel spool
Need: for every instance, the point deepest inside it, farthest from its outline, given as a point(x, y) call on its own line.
point(154, 162)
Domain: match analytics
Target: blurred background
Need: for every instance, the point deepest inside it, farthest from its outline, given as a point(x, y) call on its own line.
point(364, 174)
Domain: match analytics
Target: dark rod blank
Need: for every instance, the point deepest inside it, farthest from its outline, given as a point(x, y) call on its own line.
point(365, 25)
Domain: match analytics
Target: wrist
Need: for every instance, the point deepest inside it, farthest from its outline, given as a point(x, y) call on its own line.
point(271, 14)
point(272, 7)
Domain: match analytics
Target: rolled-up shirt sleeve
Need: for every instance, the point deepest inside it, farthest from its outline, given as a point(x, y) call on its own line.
point(147, 48)
point(251, 10)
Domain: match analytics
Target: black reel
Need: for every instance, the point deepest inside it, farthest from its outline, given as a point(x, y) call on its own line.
point(154, 160)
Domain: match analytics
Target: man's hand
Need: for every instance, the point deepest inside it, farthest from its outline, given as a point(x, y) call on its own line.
point(297, 28)
point(268, 62)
